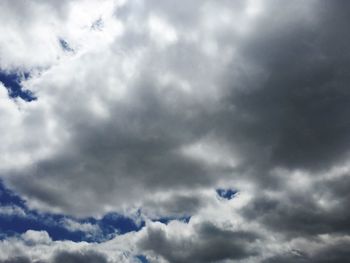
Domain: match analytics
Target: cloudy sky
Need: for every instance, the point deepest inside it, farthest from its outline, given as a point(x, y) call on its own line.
point(145, 131)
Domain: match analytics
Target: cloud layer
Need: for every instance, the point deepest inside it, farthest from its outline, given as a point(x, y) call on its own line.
point(147, 109)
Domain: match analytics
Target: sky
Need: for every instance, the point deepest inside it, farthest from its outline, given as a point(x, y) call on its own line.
point(144, 131)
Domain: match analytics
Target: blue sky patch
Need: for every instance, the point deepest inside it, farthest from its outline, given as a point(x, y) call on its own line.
point(226, 193)
point(16, 218)
point(65, 46)
point(123, 224)
point(12, 82)
point(142, 259)
point(7, 197)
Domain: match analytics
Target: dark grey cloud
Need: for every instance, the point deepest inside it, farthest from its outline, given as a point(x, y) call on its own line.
point(287, 106)
point(79, 257)
point(335, 253)
point(301, 213)
point(89, 256)
point(295, 108)
point(208, 243)
point(294, 114)
point(19, 259)
point(174, 205)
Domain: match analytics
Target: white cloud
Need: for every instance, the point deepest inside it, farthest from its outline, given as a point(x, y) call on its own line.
point(90, 230)
point(32, 237)
point(12, 210)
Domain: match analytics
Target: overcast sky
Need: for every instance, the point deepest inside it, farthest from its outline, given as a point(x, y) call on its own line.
point(145, 131)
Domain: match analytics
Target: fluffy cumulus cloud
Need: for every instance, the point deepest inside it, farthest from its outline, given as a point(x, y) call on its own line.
point(220, 127)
